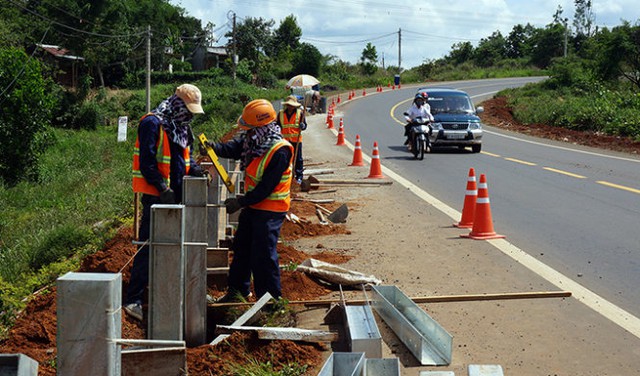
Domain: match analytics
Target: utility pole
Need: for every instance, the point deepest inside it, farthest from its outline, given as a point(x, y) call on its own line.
point(399, 49)
point(566, 32)
point(148, 68)
point(234, 59)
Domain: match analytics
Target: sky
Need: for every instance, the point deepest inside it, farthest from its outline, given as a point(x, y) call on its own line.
point(405, 32)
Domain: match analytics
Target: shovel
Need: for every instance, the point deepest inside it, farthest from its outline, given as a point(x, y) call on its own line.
point(313, 183)
point(337, 216)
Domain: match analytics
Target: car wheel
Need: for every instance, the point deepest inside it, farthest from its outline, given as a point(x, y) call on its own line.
point(476, 148)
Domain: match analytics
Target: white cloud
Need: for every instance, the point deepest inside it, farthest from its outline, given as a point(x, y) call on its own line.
point(429, 28)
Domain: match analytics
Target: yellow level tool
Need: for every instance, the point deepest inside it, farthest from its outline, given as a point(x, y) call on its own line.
point(216, 163)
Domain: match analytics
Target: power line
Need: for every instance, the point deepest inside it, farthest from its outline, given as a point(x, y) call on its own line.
point(73, 28)
point(348, 42)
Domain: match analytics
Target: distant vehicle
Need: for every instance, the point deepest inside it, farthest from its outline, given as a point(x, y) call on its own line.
point(456, 119)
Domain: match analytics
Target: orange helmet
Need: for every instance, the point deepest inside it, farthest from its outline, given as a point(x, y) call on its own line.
point(257, 113)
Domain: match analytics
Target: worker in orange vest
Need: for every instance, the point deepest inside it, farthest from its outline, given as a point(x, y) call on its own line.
point(266, 157)
point(292, 121)
point(162, 157)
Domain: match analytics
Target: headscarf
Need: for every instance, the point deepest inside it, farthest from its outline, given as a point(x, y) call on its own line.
point(176, 119)
point(258, 141)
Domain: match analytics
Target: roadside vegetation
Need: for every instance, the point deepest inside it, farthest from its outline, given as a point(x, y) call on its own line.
point(65, 180)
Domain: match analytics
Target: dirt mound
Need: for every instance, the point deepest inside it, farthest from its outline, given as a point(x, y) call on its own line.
point(243, 348)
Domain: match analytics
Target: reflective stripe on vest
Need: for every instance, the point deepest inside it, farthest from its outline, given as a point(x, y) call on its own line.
point(163, 159)
point(291, 128)
point(279, 200)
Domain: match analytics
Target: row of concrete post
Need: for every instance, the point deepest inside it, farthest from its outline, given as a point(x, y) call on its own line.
point(89, 304)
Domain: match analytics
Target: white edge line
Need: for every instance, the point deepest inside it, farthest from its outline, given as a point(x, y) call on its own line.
point(592, 300)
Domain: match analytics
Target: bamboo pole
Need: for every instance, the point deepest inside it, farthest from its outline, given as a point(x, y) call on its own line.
point(426, 299)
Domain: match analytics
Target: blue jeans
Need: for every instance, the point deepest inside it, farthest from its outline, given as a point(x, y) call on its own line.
point(254, 252)
point(298, 166)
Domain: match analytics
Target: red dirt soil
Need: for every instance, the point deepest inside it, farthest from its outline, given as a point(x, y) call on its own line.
point(34, 332)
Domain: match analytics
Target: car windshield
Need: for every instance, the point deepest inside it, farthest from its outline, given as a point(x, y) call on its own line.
point(454, 104)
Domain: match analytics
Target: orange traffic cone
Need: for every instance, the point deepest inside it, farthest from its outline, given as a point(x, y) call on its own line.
point(469, 207)
point(357, 153)
point(338, 98)
point(340, 134)
point(376, 169)
point(364, 92)
point(330, 121)
point(482, 222)
point(394, 87)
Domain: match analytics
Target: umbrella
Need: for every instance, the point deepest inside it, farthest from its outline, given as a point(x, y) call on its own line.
point(302, 80)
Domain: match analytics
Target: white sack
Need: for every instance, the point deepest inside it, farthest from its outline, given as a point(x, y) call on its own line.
point(335, 274)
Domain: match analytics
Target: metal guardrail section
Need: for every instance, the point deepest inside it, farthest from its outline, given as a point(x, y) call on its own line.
point(364, 335)
point(343, 364)
point(382, 367)
point(429, 342)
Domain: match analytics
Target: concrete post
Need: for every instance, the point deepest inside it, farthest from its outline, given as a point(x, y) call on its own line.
point(195, 212)
point(89, 318)
point(166, 273)
point(17, 365)
point(217, 217)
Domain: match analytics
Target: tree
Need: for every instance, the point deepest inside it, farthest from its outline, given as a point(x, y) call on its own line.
point(617, 53)
point(27, 101)
point(287, 36)
point(490, 50)
point(583, 18)
point(369, 59)
point(253, 38)
point(461, 52)
point(307, 59)
point(519, 41)
point(548, 43)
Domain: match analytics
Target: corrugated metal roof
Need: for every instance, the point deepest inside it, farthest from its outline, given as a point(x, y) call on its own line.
point(58, 51)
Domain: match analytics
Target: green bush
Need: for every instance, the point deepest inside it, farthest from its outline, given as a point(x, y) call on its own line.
point(89, 116)
point(26, 103)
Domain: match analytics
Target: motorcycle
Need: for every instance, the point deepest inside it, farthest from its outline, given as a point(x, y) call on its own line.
point(419, 136)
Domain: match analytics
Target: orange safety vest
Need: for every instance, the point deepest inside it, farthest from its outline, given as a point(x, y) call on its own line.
point(279, 200)
point(291, 128)
point(163, 158)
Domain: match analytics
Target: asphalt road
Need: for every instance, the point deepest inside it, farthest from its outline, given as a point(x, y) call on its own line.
point(574, 209)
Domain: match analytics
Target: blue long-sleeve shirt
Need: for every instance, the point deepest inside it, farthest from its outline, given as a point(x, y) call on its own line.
point(148, 134)
point(272, 173)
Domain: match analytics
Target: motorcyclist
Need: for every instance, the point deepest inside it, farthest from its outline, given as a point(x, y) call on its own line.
point(419, 108)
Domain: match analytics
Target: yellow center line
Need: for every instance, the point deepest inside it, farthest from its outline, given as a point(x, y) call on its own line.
point(490, 154)
point(565, 173)
point(519, 161)
point(618, 186)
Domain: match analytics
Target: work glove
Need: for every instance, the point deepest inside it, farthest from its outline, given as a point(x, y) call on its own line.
point(196, 171)
point(203, 150)
point(232, 205)
point(167, 196)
